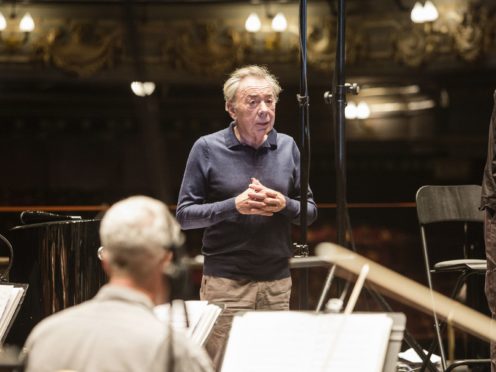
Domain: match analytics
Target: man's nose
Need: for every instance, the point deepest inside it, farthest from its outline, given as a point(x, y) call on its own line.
point(263, 106)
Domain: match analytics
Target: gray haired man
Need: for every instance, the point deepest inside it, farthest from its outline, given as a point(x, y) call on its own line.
point(117, 330)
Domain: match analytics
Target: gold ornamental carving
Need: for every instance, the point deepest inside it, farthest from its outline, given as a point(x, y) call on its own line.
point(81, 48)
point(204, 48)
point(470, 37)
point(466, 34)
point(211, 46)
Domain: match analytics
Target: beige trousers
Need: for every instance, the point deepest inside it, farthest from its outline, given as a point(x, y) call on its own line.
point(239, 295)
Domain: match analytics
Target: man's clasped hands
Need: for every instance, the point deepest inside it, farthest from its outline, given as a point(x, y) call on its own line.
point(260, 200)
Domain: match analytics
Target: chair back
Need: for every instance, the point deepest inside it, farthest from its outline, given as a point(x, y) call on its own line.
point(451, 217)
point(449, 203)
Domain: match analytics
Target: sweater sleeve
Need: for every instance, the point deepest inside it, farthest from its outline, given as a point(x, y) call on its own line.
point(293, 201)
point(193, 212)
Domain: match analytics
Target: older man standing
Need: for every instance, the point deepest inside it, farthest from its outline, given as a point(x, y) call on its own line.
point(117, 330)
point(242, 184)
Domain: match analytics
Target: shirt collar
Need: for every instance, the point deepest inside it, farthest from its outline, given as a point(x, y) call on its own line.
point(232, 141)
point(120, 293)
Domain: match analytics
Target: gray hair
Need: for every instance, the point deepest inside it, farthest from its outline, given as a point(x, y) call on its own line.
point(232, 83)
point(135, 233)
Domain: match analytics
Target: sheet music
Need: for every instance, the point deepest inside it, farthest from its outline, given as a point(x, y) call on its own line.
point(14, 297)
point(295, 341)
point(194, 308)
point(201, 318)
point(200, 331)
point(5, 293)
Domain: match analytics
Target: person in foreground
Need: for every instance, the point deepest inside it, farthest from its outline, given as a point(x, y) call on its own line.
point(488, 203)
point(117, 329)
point(242, 184)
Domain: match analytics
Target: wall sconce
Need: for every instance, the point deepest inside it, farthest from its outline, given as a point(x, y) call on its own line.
point(16, 37)
point(143, 88)
point(279, 22)
point(253, 23)
point(424, 13)
point(357, 111)
point(270, 37)
point(27, 23)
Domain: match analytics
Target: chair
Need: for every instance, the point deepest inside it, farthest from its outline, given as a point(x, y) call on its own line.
point(457, 205)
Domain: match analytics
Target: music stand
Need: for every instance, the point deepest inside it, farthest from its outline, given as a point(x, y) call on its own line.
point(11, 307)
point(304, 340)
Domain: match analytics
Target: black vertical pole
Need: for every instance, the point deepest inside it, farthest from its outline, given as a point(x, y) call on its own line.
point(339, 95)
point(338, 100)
point(305, 155)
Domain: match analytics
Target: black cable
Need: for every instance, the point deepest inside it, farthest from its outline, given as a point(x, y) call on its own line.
point(303, 101)
point(339, 99)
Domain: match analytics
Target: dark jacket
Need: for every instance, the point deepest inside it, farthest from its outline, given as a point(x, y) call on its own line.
point(488, 197)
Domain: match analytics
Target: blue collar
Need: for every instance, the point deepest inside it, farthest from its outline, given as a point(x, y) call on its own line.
point(232, 141)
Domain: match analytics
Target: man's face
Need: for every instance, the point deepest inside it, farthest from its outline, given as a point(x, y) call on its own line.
point(254, 107)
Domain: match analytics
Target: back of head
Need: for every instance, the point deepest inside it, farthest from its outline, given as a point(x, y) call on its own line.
point(135, 233)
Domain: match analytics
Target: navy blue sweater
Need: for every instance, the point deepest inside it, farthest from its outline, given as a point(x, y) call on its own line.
point(240, 246)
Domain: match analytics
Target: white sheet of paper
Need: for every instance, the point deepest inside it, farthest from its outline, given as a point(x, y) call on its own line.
point(194, 308)
point(296, 341)
point(201, 318)
point(5, 293)
point(9, 307)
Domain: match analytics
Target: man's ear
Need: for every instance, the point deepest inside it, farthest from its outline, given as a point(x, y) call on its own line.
point(166, 260)
point(230, 109)
point(105, 265)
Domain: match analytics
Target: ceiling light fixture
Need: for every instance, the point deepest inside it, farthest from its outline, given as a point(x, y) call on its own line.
point(424, 13)
point(279, 22)
point(350, 111)
point(3, 22)
point(363, 110)
point(431, 13)
point(357, 111)
point(27, 23)
point(14, 34)
point(143, 89)
point(253, 23)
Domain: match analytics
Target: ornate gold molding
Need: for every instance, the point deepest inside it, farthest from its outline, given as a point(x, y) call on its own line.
point(81, 48)
point(467, 34)
point(212, 45)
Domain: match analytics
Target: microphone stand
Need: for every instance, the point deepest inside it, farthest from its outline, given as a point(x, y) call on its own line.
point(303, 101)
point(338, 100)
point(338, 97)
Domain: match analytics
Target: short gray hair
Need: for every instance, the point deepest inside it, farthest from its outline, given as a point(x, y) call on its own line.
point(232, 83)
point(135, 233)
